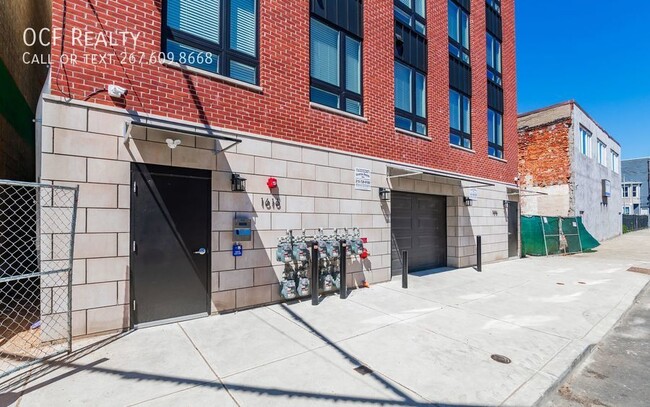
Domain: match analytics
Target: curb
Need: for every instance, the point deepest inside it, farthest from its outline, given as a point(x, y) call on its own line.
point(586, 353)
point(566, 373)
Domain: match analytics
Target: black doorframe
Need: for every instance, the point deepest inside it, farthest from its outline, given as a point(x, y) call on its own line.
point(513, 230)
point(188, 171)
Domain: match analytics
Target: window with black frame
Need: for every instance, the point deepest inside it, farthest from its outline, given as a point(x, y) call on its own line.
point(410, 66)
point(336, 54)
point(460, 119)
point(218, 36)
point(495, 4)
point(458, 22)
point(495, 134)
point(493, 46)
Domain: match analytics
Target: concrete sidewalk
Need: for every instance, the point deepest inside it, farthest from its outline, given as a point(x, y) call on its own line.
point(430, 344)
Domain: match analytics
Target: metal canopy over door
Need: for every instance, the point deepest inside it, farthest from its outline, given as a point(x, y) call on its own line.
point(418, 225)
point(170, 252)
point(513, 229)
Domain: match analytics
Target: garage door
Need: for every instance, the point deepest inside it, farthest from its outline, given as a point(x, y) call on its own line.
point(418, 225)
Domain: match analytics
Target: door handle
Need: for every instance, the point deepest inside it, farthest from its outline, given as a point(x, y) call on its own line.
point(201, 251)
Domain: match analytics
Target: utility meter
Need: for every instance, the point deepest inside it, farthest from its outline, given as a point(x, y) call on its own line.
point(303, 286)
point(332, 248)
point(337, 280)
point(284, 252)
point(288, 289)
point(327, 282)
point(355, 245)
point(322, 249)
point(301, 252)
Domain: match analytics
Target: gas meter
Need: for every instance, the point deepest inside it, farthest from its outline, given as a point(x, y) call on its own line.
point(301, 252)
point(284, 252)
point(288, 289)
point(332, 248)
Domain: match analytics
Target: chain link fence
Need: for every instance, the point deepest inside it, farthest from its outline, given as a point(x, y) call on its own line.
point(36, 245)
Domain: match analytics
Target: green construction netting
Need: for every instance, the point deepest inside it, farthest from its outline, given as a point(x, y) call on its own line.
point(588, 241)
point(547, 235)
point(532, 236)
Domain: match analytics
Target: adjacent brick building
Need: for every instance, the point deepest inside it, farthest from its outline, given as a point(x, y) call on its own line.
point(575, 166)
point(420, 96)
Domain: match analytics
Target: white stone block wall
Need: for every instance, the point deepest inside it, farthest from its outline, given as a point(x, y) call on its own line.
point(82, 145)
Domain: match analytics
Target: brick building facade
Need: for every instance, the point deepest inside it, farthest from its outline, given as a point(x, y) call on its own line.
point(568, 158)
point(312, 150)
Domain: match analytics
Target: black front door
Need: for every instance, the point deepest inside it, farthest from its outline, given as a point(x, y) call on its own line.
point(170, 247)
point(513, 229)
point(419, 226)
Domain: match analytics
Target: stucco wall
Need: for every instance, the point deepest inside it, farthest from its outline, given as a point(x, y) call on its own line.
point(602, 217)
point(556, 202)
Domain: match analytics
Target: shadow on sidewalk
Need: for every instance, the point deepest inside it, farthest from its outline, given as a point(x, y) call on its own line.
point(18, 386)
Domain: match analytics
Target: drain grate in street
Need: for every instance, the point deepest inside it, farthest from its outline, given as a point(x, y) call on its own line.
point(559, 283)
point(581, 282)
point(501, 359)
point(639, 270)
point(364, 370)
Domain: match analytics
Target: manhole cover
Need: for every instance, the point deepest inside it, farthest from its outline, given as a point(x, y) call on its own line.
point(364, 370)
point(639, 270)
point(501, 359)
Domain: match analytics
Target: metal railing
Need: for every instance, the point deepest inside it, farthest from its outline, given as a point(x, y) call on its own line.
point(36, 247)
point(635, 222)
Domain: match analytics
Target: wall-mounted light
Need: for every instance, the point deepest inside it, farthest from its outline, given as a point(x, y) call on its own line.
point(172, 143)
point(238, 183)
point(384, 194)
point(468, 201)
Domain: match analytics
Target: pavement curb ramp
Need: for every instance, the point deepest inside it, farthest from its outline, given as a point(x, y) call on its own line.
point(585, 354)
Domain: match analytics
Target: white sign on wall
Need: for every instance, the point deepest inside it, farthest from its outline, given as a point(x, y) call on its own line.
point(473, 194)
point(362, 179)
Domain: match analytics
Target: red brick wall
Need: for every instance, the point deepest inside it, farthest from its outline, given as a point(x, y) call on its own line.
point(282, 110)
point(544, 155)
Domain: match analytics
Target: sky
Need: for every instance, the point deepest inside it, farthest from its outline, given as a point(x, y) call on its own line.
point(596, 52)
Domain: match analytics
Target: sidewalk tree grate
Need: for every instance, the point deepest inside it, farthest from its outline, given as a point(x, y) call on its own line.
point(639, 270)
point(501, 359)
point(364, 370)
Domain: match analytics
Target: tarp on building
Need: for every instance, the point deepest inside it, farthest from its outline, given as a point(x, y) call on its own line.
point(548, 235)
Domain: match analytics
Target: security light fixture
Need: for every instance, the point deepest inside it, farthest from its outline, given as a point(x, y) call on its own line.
point(171, 143)
point(238, 183)
point(468, 201)
point(384, 194)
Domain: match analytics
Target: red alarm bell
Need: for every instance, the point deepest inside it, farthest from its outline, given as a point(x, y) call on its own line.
point(272, 183)
point(364, 254)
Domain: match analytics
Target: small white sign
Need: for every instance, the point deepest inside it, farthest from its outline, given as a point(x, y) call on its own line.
point(473, 194)
point(362, 179)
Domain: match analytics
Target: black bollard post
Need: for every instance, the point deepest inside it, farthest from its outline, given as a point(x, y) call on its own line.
point(343, 289)
point(405, 269)
point(479, 254)
point(315, 280)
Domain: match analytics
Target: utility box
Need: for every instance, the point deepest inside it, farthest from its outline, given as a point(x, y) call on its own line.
point(607, 188)
point(241, 231)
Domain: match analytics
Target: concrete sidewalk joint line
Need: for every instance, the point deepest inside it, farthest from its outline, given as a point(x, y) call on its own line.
point(429, 344)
